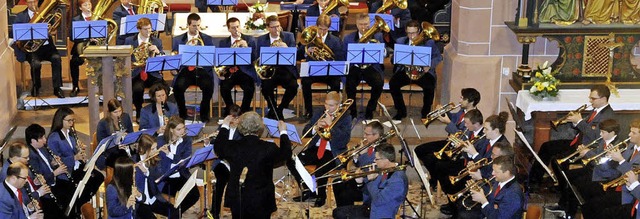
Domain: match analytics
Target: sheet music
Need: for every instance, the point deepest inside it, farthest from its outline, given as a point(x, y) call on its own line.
point(184, 191)
point(306, 177)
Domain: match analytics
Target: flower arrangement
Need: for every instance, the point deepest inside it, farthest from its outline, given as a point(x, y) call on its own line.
point(544, 83)
point(257, 19)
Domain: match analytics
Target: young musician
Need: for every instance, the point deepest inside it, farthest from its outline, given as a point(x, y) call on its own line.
point(494, 128)
point(335, 44)
point(400, 19)
point(75, 61)
point(157, 113)
point(372, 74)
point(372, 131)
point(321, 151)
point(125, 8)
point(388, 190)
point(220, 167)
point(318, 9)
point(115, 122)
point(506, 200)
point(42, 163)
point(427, 81)
point(193, 75)
point(46, 52)
point(243, 75)
point(587, 129)
point(139, 76)
point(14, 197)
point(250, 189)
point(121, 198)
point(174, 147)
point(284, 76)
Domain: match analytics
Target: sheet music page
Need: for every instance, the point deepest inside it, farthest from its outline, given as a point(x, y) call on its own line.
point(182, 194)
point(306, 177)
point(304, 69)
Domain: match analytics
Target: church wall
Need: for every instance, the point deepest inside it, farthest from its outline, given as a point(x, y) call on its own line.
point(8, 95)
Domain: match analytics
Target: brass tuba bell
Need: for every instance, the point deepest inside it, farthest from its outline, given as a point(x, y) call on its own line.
point(49, 12)
point(223, 71)
point(310, 38)
point(389, 4)
point(378, 25)
point(428, 32)
point(333, 4)
point(98, 14)
point(266, 72)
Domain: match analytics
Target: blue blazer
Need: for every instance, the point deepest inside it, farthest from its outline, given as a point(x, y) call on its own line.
point(507, 204)
point(149, 116)
point(387, 196)
point(133, 41)
point(182, 39)
point(314, 10)
point(116, 209)
point(606, 171)
point(590, 130)
point(40, 166)
point(59, 146)
point(118, 13)
point(184, 151)
point(635, 193)
point(286, 37)
point(155, 189)
point(436, 57)
point(354, 37)
point(251, 42)
point(104, 130)
point(340, 133)
point(626, 167)
point(454, 126)
point(403, 14)
point(10, 207)
point(484, 153)
point(333, 42)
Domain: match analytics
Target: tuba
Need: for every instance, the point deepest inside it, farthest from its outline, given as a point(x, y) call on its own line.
point(98, 14)
point(389, 4)
point(309, 38)
point(333, 4)
point(223, 71)
point(428, 32)
point(378, 25)
point(150, 7)
point(49, 12)
point(266, 72)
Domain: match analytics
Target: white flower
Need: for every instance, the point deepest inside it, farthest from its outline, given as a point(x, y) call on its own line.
point(258, 22)
point(547, 70)
point(544, 66)
point(252, 10)
point(545, 84)
point(533, 89)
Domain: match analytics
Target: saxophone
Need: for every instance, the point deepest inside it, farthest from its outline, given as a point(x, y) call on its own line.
point(266, 72)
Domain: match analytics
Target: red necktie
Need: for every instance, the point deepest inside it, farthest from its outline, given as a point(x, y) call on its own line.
point(593, 114)
point(633, 155)
point(461, 117)
point(384, 177)
point(87, 18)
point(497, 190)
point(33, 185)
point(323, 146)
point(575, 140)
point(488, 148)
point(144, 75)
point(633, 209)
point(130, 11)
point(472, 136)
point(20, 196)
point(370, 151)
point(191, 68)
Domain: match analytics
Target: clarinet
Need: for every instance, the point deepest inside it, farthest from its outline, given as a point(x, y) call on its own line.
point(34, 204)
point(43, 182)
point(58, 161)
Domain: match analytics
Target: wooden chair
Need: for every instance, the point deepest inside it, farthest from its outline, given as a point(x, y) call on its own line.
point(285, 20)
point(533, 212)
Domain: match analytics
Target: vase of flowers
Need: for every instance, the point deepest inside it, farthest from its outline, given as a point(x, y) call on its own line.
point(545, 85)
point(256, 21)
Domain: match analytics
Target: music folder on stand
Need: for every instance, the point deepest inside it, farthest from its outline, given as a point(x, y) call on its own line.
point(388, 18)
point(223, 5)
point(233, 56)
point(311, 21)
point(277, 56)
point(32, 31)
point(129, 23)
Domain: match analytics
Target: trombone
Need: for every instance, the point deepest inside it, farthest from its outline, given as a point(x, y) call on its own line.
point(325, 132)
point(467, 170)
point(563, 119)
point(588, 146)
point(346, 176)
point(345, 172)
point(607, 150)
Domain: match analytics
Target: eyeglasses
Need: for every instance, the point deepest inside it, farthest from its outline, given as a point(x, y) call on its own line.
point(20, 177)
point(69, 120)
point(594, 98)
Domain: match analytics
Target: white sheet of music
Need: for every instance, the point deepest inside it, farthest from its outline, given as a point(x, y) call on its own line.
point(304, 69)
point(306, 177)
point(184, 191)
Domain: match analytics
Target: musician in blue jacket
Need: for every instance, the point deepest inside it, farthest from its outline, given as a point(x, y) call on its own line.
point(318, 9)
point(285, 76)
point(320, 151)
point(140, 78)
point(125, 8)
point(426, 75)
point(14, 197)
point(400, 19)
point(121, 197)
point(506, 200)
point(243, 75)
point(335, 46)
point(76, 61)
point(372, 74)
point(114, 122)
point(193, 75)
point(157, 113)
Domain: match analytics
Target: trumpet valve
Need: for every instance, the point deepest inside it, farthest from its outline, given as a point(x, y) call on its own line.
point(453, 179)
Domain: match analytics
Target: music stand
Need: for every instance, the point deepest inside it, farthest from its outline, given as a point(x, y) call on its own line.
point(89, 30)
point(295, 12)
point(129, 22)
point(198, 56)
point(233, 56)
point(272, 128)
point(194, 129)
point(386, 17)
point(368, 53)
point(223, 5)
point(311, 21)
point(163, 63)
point(29, 31)
point(277, 56)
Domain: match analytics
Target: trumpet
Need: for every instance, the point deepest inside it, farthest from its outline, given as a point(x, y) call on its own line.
point(346, 176)
point(618, 181)
point(589, 146)
point(459, 145)
point(433, 115)
point(325, 132)
point(439, 153)
point(467, 170)
point(223, 71)
point(617, 146)
point(563, 119)
point(466, 192)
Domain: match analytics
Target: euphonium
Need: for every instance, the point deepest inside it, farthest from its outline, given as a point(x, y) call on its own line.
point(49, 12)
point(389, 4)
point(590, 145)
point(563, 120)
point(333, 4)
point(438, 154)
point(265, 72)
point(428, 32)
point(223, 71)
point(98, 14)
point(459, 145)
point(467, 170)
point(434, 115)
point(150, 7)
point(619, 181)
point(617, 146)
point(310, 38)
point(466, 192)
point(378, 25)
